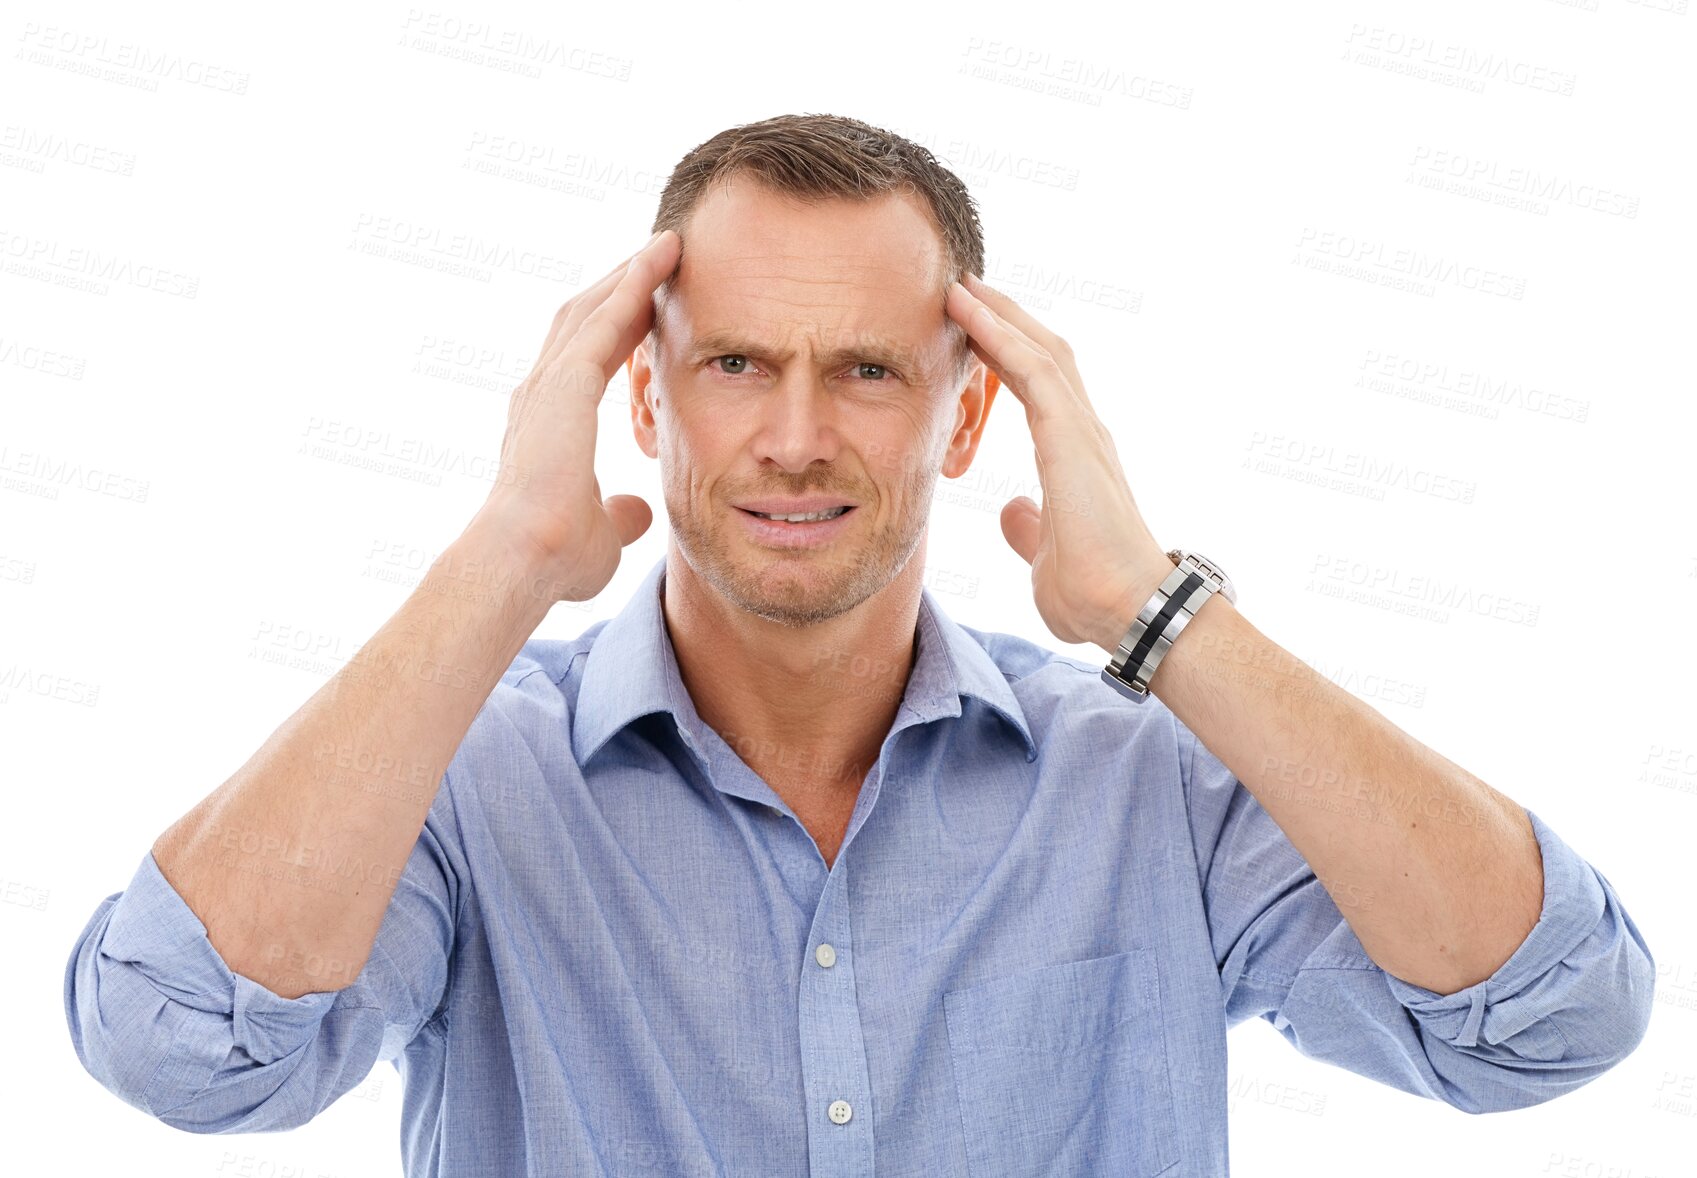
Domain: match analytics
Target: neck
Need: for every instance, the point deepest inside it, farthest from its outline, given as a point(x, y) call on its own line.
point(806, 707)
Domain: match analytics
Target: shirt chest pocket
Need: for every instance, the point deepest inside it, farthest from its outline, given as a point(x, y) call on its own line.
point(1062, 1070)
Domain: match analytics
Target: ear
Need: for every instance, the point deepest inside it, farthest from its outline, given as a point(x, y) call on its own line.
point(971, 412)
point(640, 369)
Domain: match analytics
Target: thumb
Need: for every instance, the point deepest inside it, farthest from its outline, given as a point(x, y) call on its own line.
point(630, 514)
point(1020, 516)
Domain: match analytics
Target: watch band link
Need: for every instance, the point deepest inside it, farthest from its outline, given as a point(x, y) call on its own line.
point(1158, 625)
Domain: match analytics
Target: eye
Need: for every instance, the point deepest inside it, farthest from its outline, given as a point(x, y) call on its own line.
point(736, 364)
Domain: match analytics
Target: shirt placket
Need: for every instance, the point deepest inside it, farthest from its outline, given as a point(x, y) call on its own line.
point(836, 1080)
point(836, 1077)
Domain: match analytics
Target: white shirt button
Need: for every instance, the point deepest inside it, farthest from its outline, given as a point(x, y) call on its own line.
point(839, 1111)
point(825, 955)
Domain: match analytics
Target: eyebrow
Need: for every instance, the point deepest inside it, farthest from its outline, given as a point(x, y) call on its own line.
point(869, 349)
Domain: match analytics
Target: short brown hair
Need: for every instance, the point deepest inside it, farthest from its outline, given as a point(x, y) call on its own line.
point(817, 157)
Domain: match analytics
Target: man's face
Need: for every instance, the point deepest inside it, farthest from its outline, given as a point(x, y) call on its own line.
point(804, 351)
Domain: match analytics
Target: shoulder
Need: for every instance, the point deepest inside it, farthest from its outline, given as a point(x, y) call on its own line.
point(550, 659)
point(541, 681)
point(527, 714)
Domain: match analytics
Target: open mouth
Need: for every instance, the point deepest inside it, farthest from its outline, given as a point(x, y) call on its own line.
point(812, 517)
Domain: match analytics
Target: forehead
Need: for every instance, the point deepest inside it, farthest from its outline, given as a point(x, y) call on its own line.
point(778, 272)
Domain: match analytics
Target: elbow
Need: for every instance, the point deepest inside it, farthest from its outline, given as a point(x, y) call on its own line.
point(265, 1105)
point(169, 1057)
point(127, 1035)
point(158, 1019)
point(1576, 1043)
point(182, 1067)
point(1612, 1025)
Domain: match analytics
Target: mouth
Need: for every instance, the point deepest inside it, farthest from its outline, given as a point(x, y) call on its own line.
point(800, 517)
point(810, 530)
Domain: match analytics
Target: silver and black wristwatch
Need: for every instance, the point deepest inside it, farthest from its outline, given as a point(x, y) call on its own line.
point(1193, 580)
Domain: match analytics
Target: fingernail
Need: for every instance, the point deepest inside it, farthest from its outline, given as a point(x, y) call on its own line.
point(653, 239)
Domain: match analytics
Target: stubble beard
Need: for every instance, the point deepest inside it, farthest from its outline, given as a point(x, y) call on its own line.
point(803, 587)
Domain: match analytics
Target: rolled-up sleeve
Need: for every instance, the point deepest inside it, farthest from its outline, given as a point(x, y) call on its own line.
point(1572, 1000)
point(160, 1020)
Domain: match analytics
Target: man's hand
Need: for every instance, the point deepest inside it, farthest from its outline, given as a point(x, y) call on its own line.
point(546, 499)
point(1093, 560)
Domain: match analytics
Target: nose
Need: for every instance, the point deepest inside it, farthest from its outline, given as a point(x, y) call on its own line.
point(799, 422)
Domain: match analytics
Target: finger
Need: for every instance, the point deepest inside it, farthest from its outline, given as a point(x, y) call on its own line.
point(1062, 424)
point(1027, 323)
point(984, 356)
point(610, 332)
point(1031, 371)
point(1022, 525)
point(631, 516)
point(561, 329)
point(571, 316)
point(557, 379)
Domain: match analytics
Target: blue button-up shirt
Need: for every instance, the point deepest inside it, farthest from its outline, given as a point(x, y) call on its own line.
point(616, 950)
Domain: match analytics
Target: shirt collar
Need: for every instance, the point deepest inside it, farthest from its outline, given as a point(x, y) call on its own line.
point(631, 671)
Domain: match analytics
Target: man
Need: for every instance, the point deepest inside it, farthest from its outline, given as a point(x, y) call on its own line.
point(782, 871)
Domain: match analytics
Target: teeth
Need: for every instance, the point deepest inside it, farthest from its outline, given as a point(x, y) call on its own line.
point(833, 513)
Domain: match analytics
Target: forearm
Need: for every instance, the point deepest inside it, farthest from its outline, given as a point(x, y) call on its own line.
point(1439, 875)
point(291, 863)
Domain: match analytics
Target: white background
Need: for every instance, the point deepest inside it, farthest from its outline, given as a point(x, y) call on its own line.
point(238, 418)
